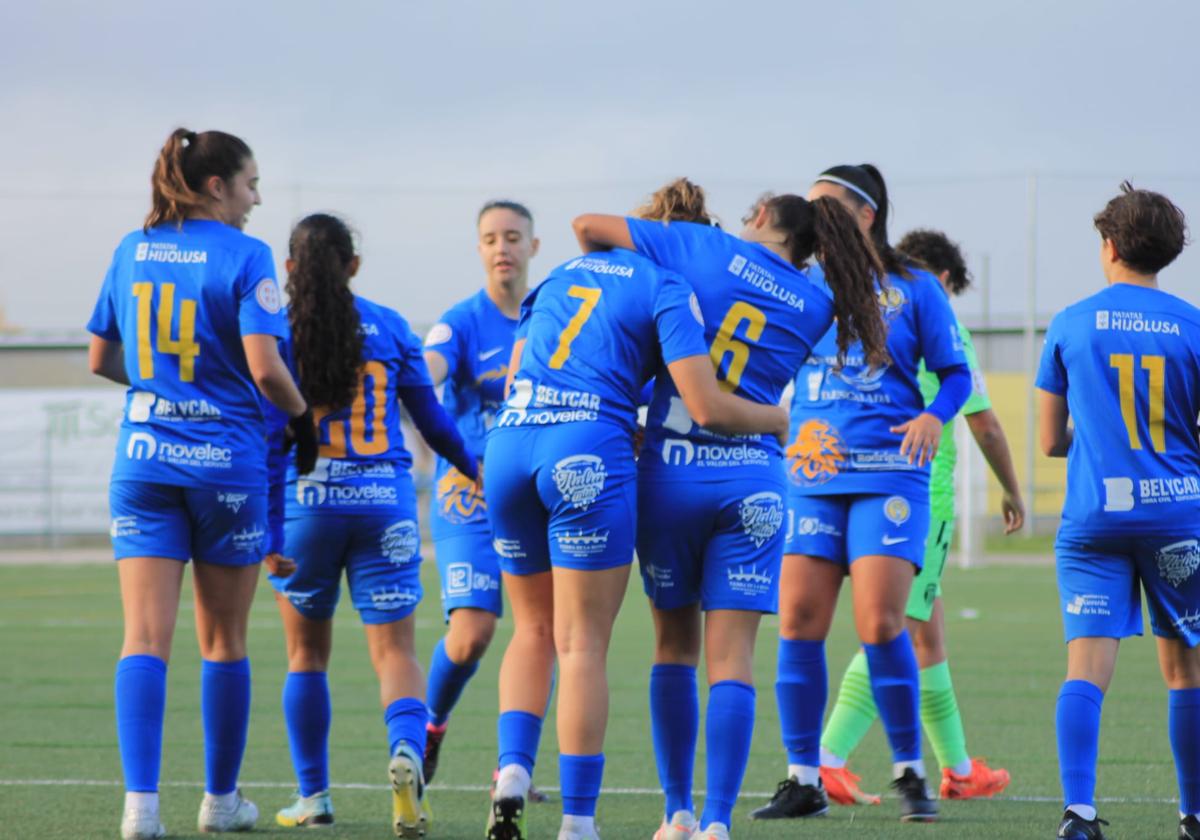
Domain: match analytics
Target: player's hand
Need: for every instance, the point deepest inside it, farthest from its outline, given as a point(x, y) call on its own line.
point(1014, 513)
point(302, 433)
point(921, 437)
point(279, 565)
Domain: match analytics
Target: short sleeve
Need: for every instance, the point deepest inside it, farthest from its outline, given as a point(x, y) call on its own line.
point(1052, 373)
point(678, 319)
point(446, 338)
point(979, 399)
point(522, 331)
point(671, 245)
point(941, 343)
point(413, 370)
point(103, 322)
point(260, 305)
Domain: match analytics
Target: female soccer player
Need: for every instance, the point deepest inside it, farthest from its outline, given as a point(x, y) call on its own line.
point(356, 361)
point(469, 351)
point(1124, 366)
point(560, 476)
point(188, 318)
point(858, 504)
point(711, 508)
point(854, 711)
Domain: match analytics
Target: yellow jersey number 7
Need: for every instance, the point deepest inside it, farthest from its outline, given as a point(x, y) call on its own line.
point(738, 351)
point(185, 346)
point(590, 297)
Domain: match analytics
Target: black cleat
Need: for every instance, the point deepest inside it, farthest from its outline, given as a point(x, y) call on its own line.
point(915, 804)
point(433, 748)
point(1189, 828)
point(793, 801)
point(1075, 827)
point(507, 819)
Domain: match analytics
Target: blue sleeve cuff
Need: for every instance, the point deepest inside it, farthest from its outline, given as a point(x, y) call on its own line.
point(438, 429)
point(953, 394)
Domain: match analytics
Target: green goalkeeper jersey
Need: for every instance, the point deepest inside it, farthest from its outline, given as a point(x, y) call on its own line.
point(941, 477)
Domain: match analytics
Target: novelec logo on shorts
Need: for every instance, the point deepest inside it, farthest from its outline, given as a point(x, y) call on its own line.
point(400, 541)
point(580, 479)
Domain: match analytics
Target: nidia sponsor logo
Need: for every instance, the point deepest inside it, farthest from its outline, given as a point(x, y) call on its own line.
point(167, 252)
point(400, 541)
point(580, 478)
point(1178, 561)
point(762, 516)
point(233, 501)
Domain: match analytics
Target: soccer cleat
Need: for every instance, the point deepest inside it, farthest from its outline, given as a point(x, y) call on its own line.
point(1189, 828)
point(141, 824)
point(409, 816)
point(307, 811)
point(565, 834)
point(842, 787)
point(434, 735)
point(982, 781)
point(1075, 827)
point(681, 826)
point(506, 820)
point(714, 831)
point(793, 800)
point(536, 796)
point(915, 804)
point(217, 819)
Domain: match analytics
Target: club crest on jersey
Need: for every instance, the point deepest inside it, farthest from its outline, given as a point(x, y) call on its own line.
point(897, 510)
point(1178, 561)
point(580, 478)
point(267, 295)
point(816, 455)
point(458, 498)
point(399, 542)
point(762, 516)
point(891, 300)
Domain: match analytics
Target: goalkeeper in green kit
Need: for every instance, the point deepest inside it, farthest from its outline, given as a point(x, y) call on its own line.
point(962, 776)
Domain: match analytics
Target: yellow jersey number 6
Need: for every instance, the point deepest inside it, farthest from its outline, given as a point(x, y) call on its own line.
point(590, 297)
point(739, 352)
point(185, 346)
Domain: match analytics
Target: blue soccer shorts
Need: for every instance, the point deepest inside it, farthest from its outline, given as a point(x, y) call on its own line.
point(380, 553)
point(841, 528)
point(468, 566)
point(1100, 581)
point(719, 543)
point(563, 495)
point(225, 527)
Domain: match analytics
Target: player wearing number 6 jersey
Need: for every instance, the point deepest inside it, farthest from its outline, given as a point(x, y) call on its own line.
point(189, 317)
point(356, 512)
point(1124, 365)
point(711, 506)
point(561, 485)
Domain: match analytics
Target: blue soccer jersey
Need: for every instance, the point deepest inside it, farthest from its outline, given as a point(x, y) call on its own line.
point(363, 465)
point(180, 299)
point(761, 318)
point(841, 417)
point(1127, 360)
point(589, 348)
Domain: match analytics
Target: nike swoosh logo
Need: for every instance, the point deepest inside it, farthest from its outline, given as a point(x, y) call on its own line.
point(894, 540)
point(483, 357)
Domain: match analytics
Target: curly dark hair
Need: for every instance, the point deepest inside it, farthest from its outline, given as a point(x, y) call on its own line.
point(825, 229)
point(937, 252)
point(868, 180)
point(1146, 228)
point(326, 342)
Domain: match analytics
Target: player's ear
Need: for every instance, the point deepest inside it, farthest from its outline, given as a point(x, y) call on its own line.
point(352, 267)
point(1108, 250)
point(289, 265)
point(534, 244)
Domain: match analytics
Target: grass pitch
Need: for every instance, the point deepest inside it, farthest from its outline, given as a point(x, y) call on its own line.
point(60, 631)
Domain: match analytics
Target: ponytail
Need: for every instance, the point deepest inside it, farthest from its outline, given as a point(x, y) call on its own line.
point(865, 186)
point(186, 161)
point(325, 324)
point(825, 229)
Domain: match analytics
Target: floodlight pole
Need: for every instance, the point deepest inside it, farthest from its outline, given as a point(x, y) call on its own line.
point(1031, 354)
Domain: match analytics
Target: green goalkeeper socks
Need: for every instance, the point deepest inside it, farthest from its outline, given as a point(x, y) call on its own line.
point(940, 718)
point(853, 713)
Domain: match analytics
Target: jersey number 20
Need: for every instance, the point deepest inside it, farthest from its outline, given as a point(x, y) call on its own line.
point(1156, 370)
point(357, 422)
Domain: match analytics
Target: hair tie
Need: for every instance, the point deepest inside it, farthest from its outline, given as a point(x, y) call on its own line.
point(854, 188)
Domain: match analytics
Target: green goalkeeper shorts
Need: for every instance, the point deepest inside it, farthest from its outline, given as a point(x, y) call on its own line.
point(927, 585)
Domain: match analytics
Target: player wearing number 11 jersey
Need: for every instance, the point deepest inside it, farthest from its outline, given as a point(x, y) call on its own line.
point(1124, 365)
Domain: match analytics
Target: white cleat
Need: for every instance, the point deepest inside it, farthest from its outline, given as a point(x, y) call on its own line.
point(141, 824)
point(217, 818)
point(307, 811)
point(681, 826)
point(410, 817)
point(714, 831)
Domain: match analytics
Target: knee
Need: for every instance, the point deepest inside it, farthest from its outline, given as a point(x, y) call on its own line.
point(468, 647)
point(881, 628)
point(576, 643)
point(804, 621)
point(1182, 674)
point(221, 647)
point(677, 651)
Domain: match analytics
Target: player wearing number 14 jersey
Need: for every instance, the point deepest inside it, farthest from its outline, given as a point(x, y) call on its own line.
point(1124, 365)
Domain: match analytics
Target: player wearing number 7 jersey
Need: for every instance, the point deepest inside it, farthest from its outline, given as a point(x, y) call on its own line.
point(711, 507)
point(189, 318)
point(562, 491)
point(1124, 365)
point(356, 361)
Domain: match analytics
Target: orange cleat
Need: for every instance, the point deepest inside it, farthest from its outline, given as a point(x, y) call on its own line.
point(982, 781)
point(842, 787)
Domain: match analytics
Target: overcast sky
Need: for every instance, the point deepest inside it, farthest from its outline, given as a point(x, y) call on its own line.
point(405, 117)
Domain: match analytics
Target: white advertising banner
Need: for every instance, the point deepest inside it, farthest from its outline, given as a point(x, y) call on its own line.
point(56, 453)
